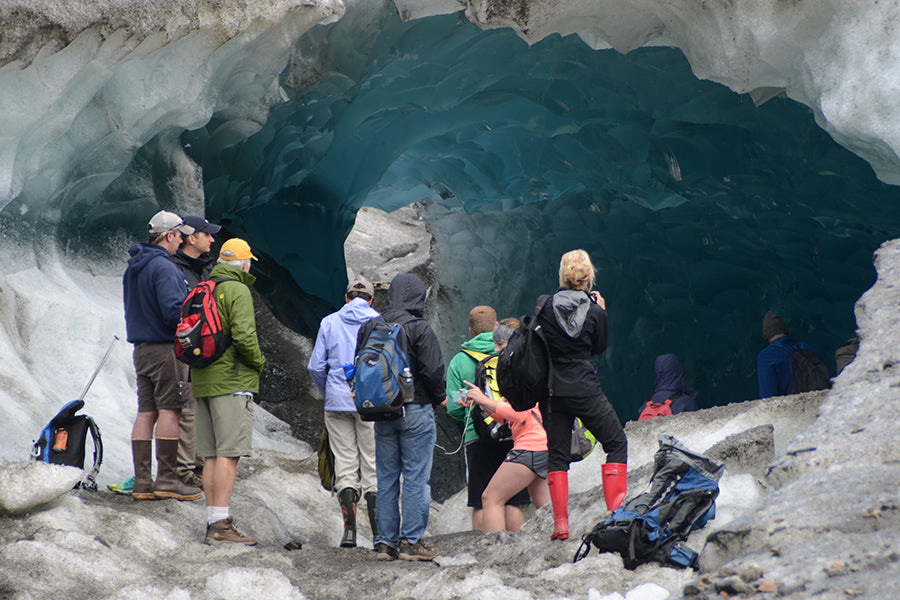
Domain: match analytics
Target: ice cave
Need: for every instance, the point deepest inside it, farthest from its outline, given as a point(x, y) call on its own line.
point(702, 207)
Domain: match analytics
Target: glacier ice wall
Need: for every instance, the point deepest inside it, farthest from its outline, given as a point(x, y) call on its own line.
point(701, 208)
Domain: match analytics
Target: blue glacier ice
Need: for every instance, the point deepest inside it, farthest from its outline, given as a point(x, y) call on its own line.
point(701, 207)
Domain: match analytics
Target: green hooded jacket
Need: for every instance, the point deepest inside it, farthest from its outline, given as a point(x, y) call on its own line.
point(462, 368)
point(238, 369)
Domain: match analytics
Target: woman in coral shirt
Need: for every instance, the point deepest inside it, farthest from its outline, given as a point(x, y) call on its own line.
point(524, 466)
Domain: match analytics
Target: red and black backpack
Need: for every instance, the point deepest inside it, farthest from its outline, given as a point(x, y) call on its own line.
point(199, 339)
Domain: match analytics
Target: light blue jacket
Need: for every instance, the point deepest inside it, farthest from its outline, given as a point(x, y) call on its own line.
point(336, 346)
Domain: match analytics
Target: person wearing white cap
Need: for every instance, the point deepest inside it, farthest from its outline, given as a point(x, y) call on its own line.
point(154, 292)
point(352, 440)
point(224, 391)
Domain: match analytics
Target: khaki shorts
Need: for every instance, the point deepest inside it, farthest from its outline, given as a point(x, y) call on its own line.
point(224, 425)
point(161, 378)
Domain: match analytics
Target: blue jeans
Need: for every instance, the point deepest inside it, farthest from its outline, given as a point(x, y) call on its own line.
point(404, 447)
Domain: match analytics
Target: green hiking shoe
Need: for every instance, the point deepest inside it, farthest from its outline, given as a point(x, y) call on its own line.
point(125, 488)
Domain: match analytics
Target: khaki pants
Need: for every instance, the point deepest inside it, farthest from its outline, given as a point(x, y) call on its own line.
point(187, 440)
point(353, 445)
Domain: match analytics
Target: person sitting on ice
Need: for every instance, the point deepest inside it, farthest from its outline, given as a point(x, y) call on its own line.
point(672, 394)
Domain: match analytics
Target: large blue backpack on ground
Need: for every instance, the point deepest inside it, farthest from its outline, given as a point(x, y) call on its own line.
point(382, 382)
point(654, 526)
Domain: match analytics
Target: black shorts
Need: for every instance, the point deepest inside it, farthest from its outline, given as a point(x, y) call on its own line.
point(482, 461)
point(536, 460)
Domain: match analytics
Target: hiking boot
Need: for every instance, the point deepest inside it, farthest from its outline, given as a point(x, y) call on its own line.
point(385, 552)
point(125, 488)
point(192, 479)
point(224, 532)
point(416, 551)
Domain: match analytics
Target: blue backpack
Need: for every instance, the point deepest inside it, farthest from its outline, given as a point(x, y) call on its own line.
point(654, 526)
point(382, 382)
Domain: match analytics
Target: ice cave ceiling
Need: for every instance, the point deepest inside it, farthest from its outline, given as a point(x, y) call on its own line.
point(700, 209)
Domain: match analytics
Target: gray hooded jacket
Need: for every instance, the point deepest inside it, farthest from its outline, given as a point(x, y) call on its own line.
point(576, 329)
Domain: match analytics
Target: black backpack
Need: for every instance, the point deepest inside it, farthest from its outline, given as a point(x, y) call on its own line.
point(63, 442)
point(654, 526)
point(808, 372)
point(524, 369)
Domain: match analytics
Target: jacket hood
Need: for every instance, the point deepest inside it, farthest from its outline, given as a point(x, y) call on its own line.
point(670, 378)
point(570, 307)
point(142, 253)
point(483, 342)
point(357, 312)
point(407, 293)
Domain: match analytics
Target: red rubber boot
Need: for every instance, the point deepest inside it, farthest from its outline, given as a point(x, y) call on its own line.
point(558, 481)
point(615, 484)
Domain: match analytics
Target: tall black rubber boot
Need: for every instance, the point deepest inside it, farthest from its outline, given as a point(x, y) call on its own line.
point(370, 508)
point(348, 497)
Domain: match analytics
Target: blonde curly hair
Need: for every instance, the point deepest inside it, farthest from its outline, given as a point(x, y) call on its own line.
point(576, 272)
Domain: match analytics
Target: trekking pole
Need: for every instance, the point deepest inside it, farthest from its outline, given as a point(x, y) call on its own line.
point(100, 366)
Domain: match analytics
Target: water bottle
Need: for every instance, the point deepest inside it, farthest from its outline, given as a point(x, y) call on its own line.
point(406, 384)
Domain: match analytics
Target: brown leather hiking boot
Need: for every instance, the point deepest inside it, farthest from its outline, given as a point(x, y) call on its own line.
point(416, 551)
point(224, 532)
point(192, 479)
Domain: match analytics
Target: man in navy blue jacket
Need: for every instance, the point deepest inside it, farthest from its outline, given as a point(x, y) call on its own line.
point(773, 364)
point(154, 291)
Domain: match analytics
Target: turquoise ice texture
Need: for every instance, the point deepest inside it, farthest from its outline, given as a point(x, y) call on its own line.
point(699, 209)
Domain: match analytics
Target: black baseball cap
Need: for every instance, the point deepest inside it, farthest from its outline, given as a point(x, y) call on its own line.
point(201, 224)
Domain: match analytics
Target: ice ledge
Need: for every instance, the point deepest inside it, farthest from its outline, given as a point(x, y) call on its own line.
point(30, 26)
point(838, 58)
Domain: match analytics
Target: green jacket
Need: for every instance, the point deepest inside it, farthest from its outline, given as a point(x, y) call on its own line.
point(238, 369)
point(462, 368)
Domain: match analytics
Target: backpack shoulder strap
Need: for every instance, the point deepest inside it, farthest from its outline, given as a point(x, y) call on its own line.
point(90, 481)
point(221, 279)
point(477, 356)
point(542, 301)
point(406, 319)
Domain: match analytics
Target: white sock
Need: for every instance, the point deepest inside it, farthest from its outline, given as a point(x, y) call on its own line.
point(214, 514)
